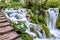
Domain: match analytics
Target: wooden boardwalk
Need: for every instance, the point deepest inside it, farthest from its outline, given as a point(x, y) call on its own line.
point(6, 30)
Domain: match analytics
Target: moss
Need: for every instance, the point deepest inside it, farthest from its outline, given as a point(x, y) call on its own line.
point(25, 36)
point(31, 29)
point(40, 18)
point(58, 22)
point(47, 32)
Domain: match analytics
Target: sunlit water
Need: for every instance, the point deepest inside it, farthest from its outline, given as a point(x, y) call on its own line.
point(20, 15)
point(52, 15)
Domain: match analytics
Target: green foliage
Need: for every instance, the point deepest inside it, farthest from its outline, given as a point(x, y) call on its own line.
point(12, 4)
point(42, 19)
point(32, 17)
point(52, 3)
point(36, 18)
point(3, 1)
point(32, 4)
point(58, 22)
point(25, 36)
point(20, 26)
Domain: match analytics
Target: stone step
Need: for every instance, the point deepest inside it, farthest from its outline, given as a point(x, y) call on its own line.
point(4, 24)
point(4, 20)
point(5, 29)
point(1, 18)
point(9, 36)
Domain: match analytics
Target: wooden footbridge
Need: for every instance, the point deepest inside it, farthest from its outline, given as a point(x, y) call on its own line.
point(7, 32)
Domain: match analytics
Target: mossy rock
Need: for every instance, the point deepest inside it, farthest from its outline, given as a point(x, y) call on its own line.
point(47, 32)
point(25, 36)
point(31, 29)
point(58, 22)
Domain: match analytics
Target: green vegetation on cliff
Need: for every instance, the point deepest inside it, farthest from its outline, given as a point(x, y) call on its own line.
point(58, 22)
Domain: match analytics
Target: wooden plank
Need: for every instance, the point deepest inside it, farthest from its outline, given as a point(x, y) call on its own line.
point(9, 36)
point(1, 18)
point(4, 20)
point(4, 24)
point(5, 29)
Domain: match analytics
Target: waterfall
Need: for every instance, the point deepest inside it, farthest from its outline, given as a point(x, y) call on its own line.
point(52, 14)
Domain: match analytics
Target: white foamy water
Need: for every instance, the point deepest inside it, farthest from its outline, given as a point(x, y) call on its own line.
point(20, 15)
point(52, 15)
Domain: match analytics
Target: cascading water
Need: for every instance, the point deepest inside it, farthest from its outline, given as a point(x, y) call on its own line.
point(52, 15)
point(20, 15)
